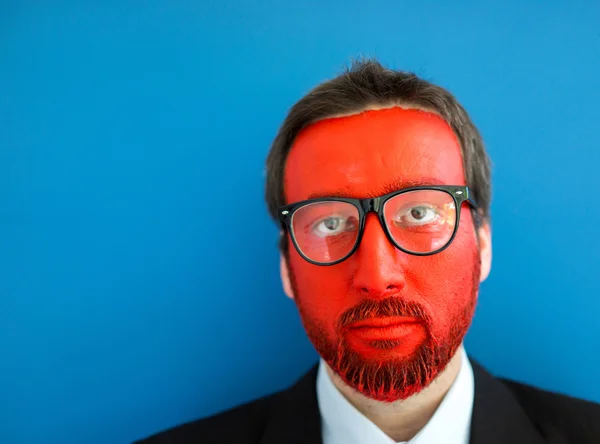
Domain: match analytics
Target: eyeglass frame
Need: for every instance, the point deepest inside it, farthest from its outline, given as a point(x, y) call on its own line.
point(459, 193)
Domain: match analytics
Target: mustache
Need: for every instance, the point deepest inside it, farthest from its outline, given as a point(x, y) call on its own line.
point(391, 306)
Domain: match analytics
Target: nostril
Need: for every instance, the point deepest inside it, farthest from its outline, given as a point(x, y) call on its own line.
point(379, 290)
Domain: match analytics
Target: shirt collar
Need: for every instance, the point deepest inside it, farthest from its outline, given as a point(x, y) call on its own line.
point(343, 423)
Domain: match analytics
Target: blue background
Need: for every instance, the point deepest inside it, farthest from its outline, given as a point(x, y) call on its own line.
point(133, 138)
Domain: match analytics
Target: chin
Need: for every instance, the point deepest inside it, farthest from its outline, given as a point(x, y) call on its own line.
point(389, 372)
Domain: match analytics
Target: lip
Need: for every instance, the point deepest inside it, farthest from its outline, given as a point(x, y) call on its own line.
point(385, 328)
point(383, 322)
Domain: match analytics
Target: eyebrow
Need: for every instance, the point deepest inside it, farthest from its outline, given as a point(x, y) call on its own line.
point(395, 185)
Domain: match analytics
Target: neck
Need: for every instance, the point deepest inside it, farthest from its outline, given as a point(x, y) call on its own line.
point(402, 420)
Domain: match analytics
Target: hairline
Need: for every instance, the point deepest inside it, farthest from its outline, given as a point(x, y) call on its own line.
point(373, 107)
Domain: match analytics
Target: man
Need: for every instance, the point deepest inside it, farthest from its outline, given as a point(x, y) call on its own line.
point(381, 184)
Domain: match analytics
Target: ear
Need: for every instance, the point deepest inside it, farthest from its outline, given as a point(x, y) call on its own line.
point(285, 277)
point(485, 250)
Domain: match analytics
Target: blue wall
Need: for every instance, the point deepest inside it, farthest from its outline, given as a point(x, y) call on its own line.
point(133, 138)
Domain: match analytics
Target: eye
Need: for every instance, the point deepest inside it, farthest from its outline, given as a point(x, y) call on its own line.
point(417, 215)
point(334, 225)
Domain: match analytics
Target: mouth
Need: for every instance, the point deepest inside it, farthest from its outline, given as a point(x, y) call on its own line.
point(385, 321)
point(389, 328)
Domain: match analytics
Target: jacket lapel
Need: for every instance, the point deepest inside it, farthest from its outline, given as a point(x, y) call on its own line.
point(295, 416)
point(497, 417)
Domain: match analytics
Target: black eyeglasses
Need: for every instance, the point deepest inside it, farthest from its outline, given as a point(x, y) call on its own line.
point(420, 220)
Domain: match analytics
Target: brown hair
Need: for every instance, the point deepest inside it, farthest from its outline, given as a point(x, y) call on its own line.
point(365, 84)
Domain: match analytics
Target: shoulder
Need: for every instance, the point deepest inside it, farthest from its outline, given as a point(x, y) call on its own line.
point(280, 417)
point(242, 424)
point(553, 413)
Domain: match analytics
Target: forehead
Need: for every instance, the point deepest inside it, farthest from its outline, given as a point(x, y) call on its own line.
point(370, 153)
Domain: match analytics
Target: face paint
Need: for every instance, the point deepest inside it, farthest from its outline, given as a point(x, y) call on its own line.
point(385, 321)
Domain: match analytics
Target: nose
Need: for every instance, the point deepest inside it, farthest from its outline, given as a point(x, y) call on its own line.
point(379, 269)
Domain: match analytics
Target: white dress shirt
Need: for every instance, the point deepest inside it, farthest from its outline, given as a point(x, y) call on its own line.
point(342, 423)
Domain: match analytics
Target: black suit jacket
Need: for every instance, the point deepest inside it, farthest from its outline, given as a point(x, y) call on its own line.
point(504, 412)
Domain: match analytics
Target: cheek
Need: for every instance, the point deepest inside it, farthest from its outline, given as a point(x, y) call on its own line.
point(323, 292)
point(448, 281)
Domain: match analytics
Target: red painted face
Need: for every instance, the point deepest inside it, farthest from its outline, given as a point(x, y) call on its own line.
point(386, 321)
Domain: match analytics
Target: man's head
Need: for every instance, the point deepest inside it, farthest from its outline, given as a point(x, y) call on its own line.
point(385, 320)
